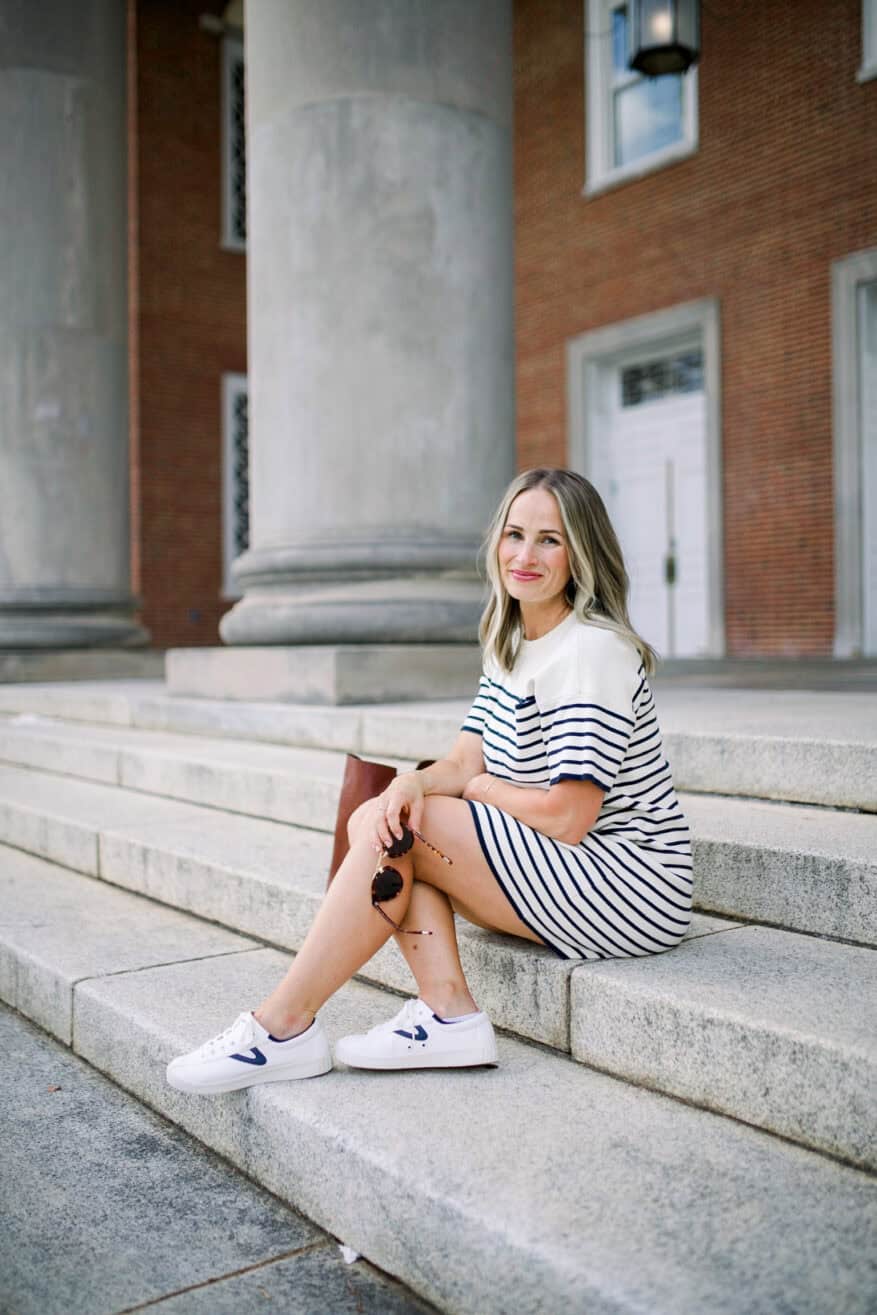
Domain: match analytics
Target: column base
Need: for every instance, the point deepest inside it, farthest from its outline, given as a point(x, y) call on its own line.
point(426, 609)
point(39, 629)
point(326, 674)
point(80, 664)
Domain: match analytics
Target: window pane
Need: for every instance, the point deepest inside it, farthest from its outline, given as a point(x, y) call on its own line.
point(648, 116)
point(651, 380)
point(619, 39)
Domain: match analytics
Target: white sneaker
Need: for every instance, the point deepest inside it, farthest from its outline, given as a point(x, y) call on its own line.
point(245, 1054)
point(418, 1038)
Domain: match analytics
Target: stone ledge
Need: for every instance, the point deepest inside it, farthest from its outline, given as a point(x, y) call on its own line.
point(58, 928)
point(325, 674)
point(36, 665)
point(772, 1028)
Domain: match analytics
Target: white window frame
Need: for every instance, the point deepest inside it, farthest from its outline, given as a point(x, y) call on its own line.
point(588, 359)
point(847, 275)
point(232, 53)
point(868, 69)
point(600, 171)
point(232, 387)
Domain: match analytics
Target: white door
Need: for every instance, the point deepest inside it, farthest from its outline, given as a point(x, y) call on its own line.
point(867, 314)
point(650, 467)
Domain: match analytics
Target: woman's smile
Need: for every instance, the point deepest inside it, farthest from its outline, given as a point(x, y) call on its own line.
point(534, 560)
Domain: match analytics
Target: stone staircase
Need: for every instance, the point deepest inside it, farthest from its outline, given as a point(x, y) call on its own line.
point(690, 1133)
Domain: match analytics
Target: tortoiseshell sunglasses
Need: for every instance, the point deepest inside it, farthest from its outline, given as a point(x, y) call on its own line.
point(387, 881)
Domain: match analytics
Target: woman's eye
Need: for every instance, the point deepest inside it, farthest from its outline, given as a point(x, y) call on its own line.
point(552, 543)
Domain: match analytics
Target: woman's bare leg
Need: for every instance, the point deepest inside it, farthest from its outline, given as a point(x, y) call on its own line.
point(344, 935)
point(347, 931)
point(435, 960)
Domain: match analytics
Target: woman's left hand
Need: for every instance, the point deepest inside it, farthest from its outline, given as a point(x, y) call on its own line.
point(479, 787)
point(401, 802)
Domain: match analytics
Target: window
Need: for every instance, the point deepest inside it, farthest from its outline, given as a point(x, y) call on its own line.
point(869, 41)
point(234, 157)
point(648, 382)
point(235, 476)
point(635, 124)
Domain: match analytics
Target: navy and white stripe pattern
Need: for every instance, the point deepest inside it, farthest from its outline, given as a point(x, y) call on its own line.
point(578, 707)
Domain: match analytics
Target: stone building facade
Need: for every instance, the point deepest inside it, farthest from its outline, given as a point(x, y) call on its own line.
point(695, 317)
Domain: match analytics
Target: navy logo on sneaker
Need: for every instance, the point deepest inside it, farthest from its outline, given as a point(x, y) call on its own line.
point(419, 1033)
point(258, 1057)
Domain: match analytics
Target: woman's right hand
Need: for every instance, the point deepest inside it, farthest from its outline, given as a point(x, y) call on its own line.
point(399, 805)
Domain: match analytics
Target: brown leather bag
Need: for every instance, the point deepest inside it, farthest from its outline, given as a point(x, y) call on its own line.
point(362, 780)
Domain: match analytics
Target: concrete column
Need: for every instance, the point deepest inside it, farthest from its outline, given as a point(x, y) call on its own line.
point(380, 316)
point(64, 522)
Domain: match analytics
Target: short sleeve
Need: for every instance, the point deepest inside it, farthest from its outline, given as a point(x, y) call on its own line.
point(586, 708)
point(477, 714)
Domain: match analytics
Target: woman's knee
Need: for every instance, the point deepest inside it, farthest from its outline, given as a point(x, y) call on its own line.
point(356, 819)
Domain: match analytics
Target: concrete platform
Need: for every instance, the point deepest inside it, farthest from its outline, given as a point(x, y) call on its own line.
point(114, 1208)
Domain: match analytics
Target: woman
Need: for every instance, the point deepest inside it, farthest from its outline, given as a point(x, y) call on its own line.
point(553, 817)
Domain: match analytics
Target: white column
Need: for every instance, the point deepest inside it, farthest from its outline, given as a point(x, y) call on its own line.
point(64, 521)
point(380, 316)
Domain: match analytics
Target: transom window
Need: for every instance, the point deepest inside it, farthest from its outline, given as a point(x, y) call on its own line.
point(635, 124)
point(651, 380)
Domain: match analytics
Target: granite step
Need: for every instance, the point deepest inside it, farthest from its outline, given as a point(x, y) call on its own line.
point(793, 745)
point(801, 867)
point(803, 1007)
point(615, 1199)
point(261, 879)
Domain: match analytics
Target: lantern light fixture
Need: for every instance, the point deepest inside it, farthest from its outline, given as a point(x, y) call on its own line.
point(663, 36)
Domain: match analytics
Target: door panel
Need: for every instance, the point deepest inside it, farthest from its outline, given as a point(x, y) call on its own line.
point(649, 462)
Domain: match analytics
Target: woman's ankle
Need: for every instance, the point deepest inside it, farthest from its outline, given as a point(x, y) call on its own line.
point(449, 1004)
point(282, 1025)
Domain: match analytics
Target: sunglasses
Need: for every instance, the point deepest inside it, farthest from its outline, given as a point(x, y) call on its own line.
point(387, 881)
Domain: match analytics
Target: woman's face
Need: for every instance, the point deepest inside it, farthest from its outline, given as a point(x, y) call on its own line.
point(533, 557)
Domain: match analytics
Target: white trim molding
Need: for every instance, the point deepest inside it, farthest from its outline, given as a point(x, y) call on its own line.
point(591, 354)
point(847, 276)
point(235, 479)
point(601, 173)
point(868, 68)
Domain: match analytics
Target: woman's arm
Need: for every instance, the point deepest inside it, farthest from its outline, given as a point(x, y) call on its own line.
point(450, 775)
point(404, 796)
point(565, 811)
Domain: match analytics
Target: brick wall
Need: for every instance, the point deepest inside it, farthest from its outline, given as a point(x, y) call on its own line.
point(188, 319)
point(783, 183)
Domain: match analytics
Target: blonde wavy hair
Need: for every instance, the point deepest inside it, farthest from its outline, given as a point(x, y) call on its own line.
point(598, 587)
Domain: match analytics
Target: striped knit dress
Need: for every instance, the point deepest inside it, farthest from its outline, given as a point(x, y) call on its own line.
point(577, 706)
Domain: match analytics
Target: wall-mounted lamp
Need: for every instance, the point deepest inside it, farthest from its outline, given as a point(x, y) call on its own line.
point(663, 36)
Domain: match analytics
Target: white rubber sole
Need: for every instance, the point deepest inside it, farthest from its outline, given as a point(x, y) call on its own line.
point(349, 1055)
point(315, 1068)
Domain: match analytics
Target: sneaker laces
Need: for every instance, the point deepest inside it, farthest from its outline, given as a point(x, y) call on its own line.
point(406, 1018)
point(241, 1034)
